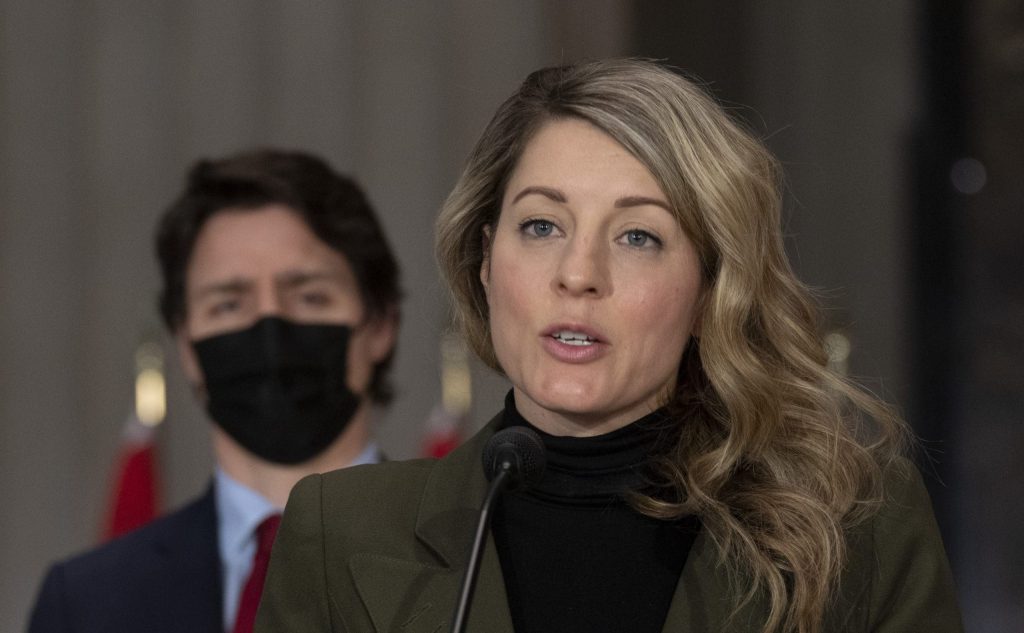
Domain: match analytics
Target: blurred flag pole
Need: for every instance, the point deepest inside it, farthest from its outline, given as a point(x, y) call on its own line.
point(447, 421)
point(134, 497)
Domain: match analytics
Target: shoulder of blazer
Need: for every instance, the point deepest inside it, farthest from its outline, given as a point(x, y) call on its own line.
point(189, 530)
point(161, 566)
point(430, 498)
point(897, 575)
point(391, 541)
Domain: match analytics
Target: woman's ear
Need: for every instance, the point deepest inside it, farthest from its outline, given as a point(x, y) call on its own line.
point(485, 262)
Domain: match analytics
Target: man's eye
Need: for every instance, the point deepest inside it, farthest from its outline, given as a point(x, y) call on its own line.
point(315, 298)
point(537, 228)
point(224, 307)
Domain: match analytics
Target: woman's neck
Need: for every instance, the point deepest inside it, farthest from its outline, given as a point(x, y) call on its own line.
point(598, 469)
point(567, 423)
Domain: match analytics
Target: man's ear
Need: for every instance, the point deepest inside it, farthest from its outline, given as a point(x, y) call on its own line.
point(485, 262)
point(187, 357)
point(383, 334)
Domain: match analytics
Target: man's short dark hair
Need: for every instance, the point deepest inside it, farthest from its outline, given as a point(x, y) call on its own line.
point(331, 204)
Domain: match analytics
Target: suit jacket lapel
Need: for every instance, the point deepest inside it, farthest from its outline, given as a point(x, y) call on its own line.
point(447, 521)
point(420, 595)
point(705, 598)
point(188, 569)
point(489, 612)
point(416, 597)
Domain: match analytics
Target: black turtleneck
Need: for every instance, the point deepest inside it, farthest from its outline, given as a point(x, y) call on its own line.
point(574, 554)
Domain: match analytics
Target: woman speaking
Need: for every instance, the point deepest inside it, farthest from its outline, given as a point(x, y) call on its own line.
point(614, 248)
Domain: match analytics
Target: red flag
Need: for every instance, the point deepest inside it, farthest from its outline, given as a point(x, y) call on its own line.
point(134, 498)
point(443, 432)
point(449, 418)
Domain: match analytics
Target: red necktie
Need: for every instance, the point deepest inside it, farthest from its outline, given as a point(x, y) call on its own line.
point(265, 534)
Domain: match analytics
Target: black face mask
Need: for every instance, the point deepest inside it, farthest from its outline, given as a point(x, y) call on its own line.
point(278, 387)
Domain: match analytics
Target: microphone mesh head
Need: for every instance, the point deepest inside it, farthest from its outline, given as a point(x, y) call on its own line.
point(519, 449)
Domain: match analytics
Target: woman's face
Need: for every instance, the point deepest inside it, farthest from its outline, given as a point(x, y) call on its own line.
point(592, 285)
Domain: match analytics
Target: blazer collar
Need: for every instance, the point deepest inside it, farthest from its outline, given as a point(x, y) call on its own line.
point(446, 523)
point(707, 594)
point(451, 499)
point(186, 591)
point(420, 592)
point(446, 520)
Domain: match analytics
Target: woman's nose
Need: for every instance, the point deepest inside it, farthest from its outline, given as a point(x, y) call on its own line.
point(583, 268)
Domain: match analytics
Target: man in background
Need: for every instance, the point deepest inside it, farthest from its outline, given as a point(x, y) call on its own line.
point(282, 294)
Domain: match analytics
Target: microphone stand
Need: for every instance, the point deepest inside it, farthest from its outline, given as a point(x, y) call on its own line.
point(473, 569)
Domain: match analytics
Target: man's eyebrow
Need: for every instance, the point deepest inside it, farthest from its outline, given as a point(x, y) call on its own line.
point(547, 192)
point(640, 201)
point(299, 277)
point(231, 286)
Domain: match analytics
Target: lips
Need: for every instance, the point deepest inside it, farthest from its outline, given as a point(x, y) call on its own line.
point(574, 334)
point(573, 343)
point(569, 337)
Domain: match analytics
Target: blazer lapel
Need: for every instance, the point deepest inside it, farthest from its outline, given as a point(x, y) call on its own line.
point(705, 599)
point(189, 572)
point(419, 596)
point(489, 612)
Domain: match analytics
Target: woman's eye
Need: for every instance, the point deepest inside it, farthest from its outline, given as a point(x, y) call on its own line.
point(640, 239)
point(537, 228)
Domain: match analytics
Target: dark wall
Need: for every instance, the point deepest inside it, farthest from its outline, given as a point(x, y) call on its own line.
point(984, 183)
point(901, 129)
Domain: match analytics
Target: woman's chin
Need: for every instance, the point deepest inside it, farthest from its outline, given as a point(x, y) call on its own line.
point(573, 412)
point(565, 399)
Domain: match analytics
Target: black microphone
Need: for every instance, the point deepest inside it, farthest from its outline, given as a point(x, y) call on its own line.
point(514, 459)
point(517, 451)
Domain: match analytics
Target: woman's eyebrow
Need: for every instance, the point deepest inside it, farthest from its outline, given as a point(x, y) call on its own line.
point(622, 203)
point(640, 201)
point(547, 192)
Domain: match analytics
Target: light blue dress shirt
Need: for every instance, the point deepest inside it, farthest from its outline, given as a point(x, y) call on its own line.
point(240, 511)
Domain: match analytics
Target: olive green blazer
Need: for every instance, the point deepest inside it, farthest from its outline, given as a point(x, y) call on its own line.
point(382, 548)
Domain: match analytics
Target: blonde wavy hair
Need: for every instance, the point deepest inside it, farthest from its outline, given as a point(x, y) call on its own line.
point(777, 454)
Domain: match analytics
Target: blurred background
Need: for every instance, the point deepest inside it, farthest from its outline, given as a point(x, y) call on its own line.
point(900, 124)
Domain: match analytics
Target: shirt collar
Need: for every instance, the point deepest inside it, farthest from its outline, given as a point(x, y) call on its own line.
point(239, 510)
point(370, 455)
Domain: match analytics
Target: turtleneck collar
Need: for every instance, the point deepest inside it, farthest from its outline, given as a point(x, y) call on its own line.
point(593, 470)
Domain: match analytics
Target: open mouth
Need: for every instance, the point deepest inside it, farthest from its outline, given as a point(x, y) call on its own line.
point(573, 338)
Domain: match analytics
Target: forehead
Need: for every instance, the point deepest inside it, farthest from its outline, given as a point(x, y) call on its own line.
point(574, 153)
point(255, 243)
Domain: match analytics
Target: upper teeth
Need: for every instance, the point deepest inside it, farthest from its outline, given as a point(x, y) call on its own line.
point(574, 338)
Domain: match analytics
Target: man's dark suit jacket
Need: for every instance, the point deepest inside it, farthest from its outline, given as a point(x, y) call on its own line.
point(162, 578)
point(376, 549)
